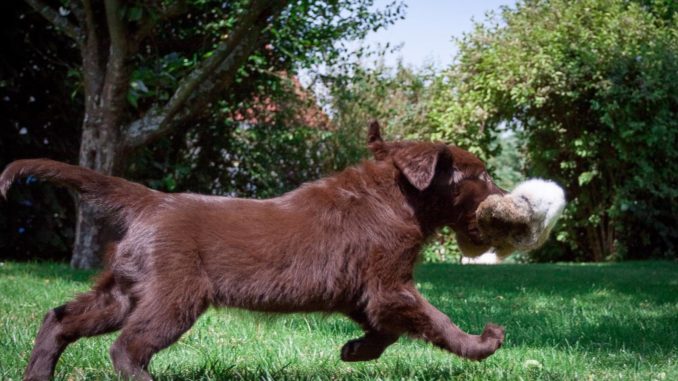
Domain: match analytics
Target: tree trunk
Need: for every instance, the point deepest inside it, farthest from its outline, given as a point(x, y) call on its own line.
point(106, 73)
point(595, 244)
point(99, 150)
point(88, 239)
point(601, 240)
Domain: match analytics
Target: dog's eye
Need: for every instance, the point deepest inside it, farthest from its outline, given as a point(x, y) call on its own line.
point(485, 177)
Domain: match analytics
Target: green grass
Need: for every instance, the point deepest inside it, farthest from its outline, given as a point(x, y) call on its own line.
point(563, 322)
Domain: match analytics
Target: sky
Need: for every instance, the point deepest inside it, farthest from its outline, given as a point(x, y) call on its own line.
point(428, 28)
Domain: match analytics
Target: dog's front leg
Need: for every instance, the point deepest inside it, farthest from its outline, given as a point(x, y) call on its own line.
point(408, 312)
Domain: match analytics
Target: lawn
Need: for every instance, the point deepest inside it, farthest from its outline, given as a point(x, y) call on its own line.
point(563, 322)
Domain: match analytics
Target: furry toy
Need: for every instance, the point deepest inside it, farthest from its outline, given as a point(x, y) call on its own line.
point(521, 220)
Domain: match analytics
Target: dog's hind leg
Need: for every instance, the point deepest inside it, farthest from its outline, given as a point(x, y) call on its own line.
point(163, 314)
point(99, 311)
point(371, 345)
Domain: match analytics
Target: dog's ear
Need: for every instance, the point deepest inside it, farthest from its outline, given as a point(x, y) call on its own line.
point(418, 162)
point(374, 141)
point(374, 133)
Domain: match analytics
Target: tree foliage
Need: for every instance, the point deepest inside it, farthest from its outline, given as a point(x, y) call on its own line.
point(397, 97)
point(37, 112)
point(362, 90)
point(591, 87)
point(258, 147)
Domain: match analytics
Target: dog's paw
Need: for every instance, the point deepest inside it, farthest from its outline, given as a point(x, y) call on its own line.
point(350, 351)
point(493, 332)
point(359, 350)
point(491, 339)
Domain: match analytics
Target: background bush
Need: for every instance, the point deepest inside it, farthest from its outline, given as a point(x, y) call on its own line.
point(591, 89)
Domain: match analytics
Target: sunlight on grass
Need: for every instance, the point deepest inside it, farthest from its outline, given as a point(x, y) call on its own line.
point(563, 322)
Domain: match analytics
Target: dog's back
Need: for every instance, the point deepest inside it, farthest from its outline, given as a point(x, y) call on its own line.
point(302, 251)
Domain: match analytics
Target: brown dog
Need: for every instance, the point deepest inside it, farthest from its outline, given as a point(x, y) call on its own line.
point(346, 243)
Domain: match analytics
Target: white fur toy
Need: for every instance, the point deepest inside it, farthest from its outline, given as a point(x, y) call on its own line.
point(521, 220)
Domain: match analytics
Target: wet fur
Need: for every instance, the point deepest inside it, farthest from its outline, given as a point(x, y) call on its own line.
point(347, 243)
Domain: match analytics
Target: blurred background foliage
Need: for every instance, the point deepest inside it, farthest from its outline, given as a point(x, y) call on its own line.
point(590, 88)
point(581, 92)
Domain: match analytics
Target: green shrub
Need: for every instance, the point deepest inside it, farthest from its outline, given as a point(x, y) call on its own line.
point(591, 88)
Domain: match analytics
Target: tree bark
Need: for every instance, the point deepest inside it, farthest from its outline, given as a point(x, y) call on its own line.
point(99, 150)
point(106, 77)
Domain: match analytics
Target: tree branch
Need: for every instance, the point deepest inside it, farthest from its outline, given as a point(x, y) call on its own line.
point(93, 54)
point(159, 121)
point(60, 22)
point(116, 82)
point(207, 67)
point(116, 30)
point(178, 8)
point(78, 12)
point(199, 87)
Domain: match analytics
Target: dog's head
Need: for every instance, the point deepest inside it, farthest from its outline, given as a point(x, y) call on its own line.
point(444, 183)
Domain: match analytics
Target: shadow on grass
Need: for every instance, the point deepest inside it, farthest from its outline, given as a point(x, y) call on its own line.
point(327, 372)
point(647, 280)
point(629, 307)
point(649, 337)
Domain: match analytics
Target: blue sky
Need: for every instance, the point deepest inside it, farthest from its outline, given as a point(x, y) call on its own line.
point(428, 28)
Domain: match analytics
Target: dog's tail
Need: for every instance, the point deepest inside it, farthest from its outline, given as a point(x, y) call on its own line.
point(113, 194)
